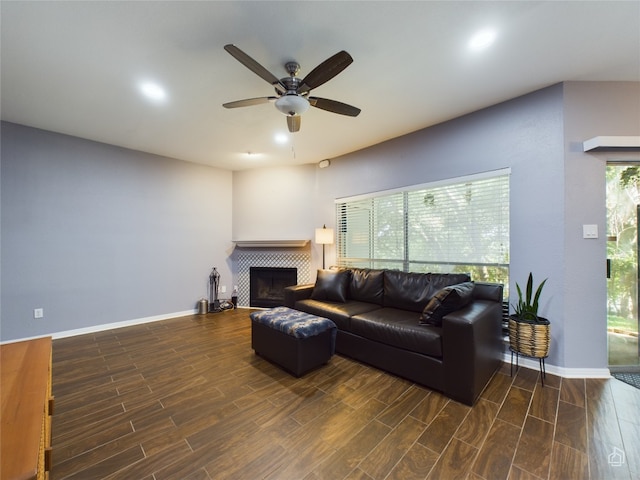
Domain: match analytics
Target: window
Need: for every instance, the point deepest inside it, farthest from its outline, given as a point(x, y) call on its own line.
point(458, 226)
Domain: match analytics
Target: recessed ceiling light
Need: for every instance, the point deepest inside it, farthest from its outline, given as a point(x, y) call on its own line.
point(281, 138)
point(482, 39)
point(153, 91)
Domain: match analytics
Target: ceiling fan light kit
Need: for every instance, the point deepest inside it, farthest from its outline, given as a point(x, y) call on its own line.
point(292, 104)
point(293, 93)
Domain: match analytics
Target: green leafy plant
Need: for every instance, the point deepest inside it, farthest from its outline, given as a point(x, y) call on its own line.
point(527, 306)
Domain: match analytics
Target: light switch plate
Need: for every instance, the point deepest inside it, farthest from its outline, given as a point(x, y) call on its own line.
point(589, 231)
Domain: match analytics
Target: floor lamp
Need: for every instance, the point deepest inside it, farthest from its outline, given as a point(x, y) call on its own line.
point(324, 236)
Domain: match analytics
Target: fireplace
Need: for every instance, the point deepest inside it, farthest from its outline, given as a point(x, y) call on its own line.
point(274, 257)
point(267, 285)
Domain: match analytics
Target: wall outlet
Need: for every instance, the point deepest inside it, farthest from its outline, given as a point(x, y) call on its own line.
point(223, 289)
point(38, 312)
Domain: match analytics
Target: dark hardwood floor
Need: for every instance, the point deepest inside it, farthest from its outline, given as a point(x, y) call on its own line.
point(188, 399)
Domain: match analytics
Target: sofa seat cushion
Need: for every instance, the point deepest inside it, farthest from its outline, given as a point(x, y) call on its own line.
point(399, 328)
point(339, 313)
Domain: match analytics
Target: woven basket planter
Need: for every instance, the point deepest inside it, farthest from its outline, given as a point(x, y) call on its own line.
point(530, 337)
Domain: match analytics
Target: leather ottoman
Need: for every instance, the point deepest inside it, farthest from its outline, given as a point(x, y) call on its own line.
point(296, 341)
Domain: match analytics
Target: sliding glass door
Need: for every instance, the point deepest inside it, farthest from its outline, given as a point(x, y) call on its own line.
point(623, 211)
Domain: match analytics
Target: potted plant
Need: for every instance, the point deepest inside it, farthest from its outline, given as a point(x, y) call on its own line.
point(529, 333)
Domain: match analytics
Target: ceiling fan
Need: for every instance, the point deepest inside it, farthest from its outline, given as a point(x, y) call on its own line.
point(292, 93)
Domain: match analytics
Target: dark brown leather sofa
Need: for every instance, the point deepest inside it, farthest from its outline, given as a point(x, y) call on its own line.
point(439, 330)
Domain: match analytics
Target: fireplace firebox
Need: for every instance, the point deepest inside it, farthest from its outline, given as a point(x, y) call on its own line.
point(267, 285)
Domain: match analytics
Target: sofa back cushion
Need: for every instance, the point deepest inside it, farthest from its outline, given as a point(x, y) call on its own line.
point(367, 285)
point(331, 285)
point(440, 280)
point(412, 291)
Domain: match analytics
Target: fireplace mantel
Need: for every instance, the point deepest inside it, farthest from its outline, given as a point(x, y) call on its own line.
point(271, 243)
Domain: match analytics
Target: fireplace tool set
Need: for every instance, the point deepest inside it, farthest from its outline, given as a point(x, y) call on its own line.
point(214, 304)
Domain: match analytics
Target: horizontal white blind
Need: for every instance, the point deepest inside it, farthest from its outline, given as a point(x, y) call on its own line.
point(461, 223)
point(454, 227)
point(372, 229)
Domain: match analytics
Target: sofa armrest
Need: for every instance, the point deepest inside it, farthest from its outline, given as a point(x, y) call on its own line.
point(295, 293)
point(471, 348)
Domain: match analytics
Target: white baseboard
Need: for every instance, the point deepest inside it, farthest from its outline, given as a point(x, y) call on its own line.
point(559, 371)
point(126, 323)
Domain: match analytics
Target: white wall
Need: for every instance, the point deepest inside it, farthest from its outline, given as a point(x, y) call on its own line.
point(273, 203)
point(277, 204)
point(97, 234)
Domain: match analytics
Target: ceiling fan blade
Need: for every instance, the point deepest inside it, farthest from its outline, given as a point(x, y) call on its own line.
point(325, 71)
point(334, 106)
point(248, 102)
point(254, 66)
point(293, 122)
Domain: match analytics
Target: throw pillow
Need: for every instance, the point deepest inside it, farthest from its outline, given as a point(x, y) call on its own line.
point(331, 285)
point(445, 301)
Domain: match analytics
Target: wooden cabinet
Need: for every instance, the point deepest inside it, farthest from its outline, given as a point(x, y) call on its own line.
point(27, 406)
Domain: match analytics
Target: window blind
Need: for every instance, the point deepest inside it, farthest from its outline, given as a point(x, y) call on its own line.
point(457, 227)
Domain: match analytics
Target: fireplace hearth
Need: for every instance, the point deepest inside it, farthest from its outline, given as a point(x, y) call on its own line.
point(267, 285)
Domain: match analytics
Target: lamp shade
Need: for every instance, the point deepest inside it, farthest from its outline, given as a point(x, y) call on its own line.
point(324, 236)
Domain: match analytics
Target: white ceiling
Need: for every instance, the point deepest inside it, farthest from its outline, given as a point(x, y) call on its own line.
point(74, 68)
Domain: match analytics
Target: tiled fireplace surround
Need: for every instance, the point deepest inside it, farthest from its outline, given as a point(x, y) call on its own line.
point(281, 257)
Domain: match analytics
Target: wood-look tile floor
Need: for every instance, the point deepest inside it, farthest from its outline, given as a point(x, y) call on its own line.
point(188, 399)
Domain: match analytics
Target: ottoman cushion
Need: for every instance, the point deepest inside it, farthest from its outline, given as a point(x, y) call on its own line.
point(295, 323)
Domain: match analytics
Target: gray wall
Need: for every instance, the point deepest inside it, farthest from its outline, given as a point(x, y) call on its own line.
point(555, 189)
point(97, 234)
point(590, 109)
